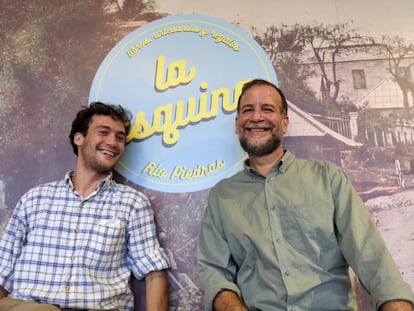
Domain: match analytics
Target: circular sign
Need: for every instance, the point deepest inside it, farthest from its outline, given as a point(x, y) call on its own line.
point(180, 77)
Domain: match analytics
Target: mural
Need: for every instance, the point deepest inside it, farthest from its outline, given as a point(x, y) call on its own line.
point(188, 73)
point(346, 68)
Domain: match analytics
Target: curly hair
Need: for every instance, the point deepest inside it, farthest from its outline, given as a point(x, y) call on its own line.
point(84, 116)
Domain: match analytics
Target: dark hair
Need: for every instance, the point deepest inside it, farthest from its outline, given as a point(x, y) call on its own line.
point(254, 82)
point(84, 116)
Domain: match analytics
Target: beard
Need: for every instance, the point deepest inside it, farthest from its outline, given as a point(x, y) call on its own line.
point(92, 161)
point(266, 148)
point(99, 167)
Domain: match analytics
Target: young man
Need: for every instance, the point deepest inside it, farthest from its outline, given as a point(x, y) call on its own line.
point(73, 244)
point(281, 234)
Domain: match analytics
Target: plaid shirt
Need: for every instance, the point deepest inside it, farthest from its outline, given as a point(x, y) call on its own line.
point(61, 249)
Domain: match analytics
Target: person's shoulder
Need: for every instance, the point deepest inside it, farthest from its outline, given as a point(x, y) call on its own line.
point(125, 190)
point(51, 185)
point(317, 163)
point(125, 187)
point(317, 166)
point(230, 181)
point(42, 191)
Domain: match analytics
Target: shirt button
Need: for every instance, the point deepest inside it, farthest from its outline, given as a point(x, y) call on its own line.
point(287, 273)
point(67, 287)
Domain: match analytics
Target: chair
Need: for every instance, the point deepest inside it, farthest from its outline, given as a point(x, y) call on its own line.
point(139, 291)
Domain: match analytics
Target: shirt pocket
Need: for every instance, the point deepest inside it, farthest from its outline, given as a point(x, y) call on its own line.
point(310, 230)
point(106, 243)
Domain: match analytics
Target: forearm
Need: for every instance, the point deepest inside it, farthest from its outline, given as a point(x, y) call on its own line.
point(3, 292)
point(157, 291)
point(227, 300)
point(397, 305)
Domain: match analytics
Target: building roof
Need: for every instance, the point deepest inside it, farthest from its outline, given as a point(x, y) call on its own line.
point(301, 124)
point(386, 94)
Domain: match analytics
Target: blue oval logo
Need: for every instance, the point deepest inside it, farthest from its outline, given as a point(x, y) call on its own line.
point(181, 76)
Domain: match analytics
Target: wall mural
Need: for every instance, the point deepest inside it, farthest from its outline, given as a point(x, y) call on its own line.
point(347, 69)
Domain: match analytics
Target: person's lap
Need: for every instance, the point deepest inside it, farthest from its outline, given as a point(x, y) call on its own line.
point(11, 304)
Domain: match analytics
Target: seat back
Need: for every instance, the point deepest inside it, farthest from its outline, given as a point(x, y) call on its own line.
point(139, 290)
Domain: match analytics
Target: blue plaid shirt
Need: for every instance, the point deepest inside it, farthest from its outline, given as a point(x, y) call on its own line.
point(61, 249)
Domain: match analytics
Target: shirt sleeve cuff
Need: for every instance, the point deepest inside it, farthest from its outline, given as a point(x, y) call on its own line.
point(156, 260)
point(212, 292)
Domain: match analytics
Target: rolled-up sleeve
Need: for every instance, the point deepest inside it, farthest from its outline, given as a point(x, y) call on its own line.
point(363, 246)
point(145, 252)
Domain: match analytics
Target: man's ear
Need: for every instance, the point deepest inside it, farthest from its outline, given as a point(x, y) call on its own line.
point(78, 139)
point(235, 126)
point(285, 123)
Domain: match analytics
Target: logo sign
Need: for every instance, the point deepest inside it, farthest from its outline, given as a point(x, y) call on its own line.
point(180, 77)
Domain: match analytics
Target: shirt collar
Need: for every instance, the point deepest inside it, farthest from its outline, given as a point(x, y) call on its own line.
point(281, 166)
point(286, 161)
point(105, 183)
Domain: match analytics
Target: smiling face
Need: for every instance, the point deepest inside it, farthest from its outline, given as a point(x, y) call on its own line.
point(260, 123)
point(103, 145)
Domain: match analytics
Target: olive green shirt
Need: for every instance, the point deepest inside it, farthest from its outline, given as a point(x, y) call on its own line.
point(286, 241)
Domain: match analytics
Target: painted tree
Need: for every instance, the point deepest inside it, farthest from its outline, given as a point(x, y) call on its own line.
point(328, 43)
point(131, 9)
point(284, 51)
point(397, 51)
point(50, 51)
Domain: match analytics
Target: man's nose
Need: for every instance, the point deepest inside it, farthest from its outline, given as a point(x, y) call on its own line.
point(257, 114)
point(111, 139)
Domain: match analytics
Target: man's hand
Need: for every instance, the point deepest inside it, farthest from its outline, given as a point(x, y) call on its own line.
point(228, 300)
point(397, 305)
point(157, 291)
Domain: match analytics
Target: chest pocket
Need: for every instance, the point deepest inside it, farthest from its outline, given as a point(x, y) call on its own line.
point(310, 229)
point(105, 242)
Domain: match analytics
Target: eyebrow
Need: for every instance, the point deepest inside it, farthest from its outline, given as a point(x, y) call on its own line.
point(261, 105)
point(110, 128)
